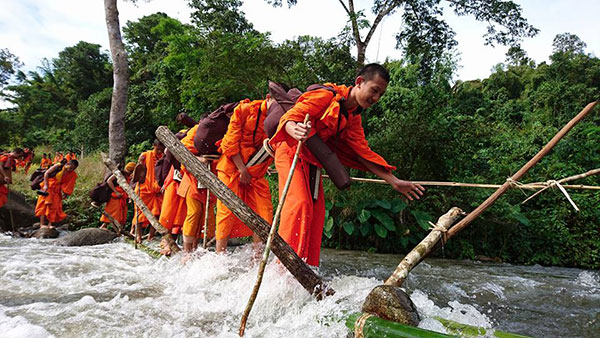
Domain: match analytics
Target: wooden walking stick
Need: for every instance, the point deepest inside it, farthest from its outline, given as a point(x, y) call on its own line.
point(263, 263)
point(206, 214)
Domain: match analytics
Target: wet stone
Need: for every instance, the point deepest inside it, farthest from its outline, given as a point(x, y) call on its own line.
point(45, 233)
point(90, 236)
point(391, 303)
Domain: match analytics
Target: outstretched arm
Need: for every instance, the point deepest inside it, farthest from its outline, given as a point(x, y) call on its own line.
point(410, 190)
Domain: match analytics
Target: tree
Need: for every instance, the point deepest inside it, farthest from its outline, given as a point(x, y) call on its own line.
point(516, 56)
point(423, 34)
point(224, 15)
point(568, 43)
point(9, 64)
point(116, 126)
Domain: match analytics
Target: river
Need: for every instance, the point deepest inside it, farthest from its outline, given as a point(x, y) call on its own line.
point(114, 290)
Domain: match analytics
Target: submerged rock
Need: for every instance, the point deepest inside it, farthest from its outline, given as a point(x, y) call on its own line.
point(45, 233)
point(90, 236)
point(391, 303)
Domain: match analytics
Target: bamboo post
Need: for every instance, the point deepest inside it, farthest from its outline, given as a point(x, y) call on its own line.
point(265, 258)
point(138, 201)
point(424, 247)
point(298, 268)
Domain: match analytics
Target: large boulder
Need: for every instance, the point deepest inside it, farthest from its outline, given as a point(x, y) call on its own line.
point(45, 233)
point(23, 214)
point(391, 303)
point(89, 236)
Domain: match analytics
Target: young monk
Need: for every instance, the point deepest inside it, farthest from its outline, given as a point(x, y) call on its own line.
point(49, 208)
point(117, 204)
point(195, 200)
point(235, 168)
point(8, 163)
point(173, 211)
point(302, 217)
point(70, 156)
point(149, 191)
point(58, 157)
point(46, 162)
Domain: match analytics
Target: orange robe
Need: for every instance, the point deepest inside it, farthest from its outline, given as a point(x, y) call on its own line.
point(7, 163)
point(173, 211)
point(57, 159)
point(302, 218)
point(51, 205)
point(195, 199)
point(149, 191)
point(46, 163)
point(241, 139)
point(116, 207)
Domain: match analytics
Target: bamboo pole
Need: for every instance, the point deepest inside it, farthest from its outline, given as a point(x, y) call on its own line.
point(551, 183)
point(528, 186)
point(298, 268)
point(206, 214)
point(265, 258)
point(141, 205)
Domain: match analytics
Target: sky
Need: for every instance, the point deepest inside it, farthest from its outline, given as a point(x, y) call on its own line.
point(38, 29)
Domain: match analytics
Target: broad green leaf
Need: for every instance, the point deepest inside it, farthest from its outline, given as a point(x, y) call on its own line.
point(365, 229)
point(329, 224)
point(328, 205)
point(422, 218)
point(328, 234)
point(385, 219)
point(384, 204)
point(348, 227)
point(364, 215)
point(404, 241)
point(398, 205)
point(380, 230)
point(521, 218)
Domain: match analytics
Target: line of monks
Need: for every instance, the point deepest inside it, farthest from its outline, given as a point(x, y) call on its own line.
point(185, 207)
point(181, 204)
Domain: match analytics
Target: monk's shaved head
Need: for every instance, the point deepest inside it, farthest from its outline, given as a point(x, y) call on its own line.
point(370, 71)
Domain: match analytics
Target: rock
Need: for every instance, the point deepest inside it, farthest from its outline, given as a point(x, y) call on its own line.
point(89, 236)
point(45, 233)
point(391, 303)
point(483, 258)
point(23, 214)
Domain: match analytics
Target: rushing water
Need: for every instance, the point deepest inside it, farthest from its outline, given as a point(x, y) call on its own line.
point(114, 290)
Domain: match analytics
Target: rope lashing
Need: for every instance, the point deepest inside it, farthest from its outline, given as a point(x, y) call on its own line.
point(516, 184)
point(552, 184)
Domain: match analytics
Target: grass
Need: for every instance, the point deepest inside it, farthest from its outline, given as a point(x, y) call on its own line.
point(77, 206)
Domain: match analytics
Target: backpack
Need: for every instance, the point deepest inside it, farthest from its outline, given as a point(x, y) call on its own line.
point(285, 99)
point(213, 127)
point(101, 193)
point(37, 177)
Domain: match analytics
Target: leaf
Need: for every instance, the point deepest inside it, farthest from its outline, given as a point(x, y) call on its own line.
point(384, 219)
point(328, 205)
point(328, 234)
point(348, 227)
point(398, 205)
point(384, 204)
point(329, 224)
point(422, 218)
point(404, 241)
point(521, 218)
point(365, 229)
point(380, 230)
point(364, 215)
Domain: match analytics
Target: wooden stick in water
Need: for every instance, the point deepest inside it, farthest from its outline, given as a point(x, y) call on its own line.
point(263, 263)
point(138, 201)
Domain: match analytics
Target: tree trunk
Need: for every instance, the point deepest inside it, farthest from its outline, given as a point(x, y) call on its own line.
point(361, 49)
point(116, 125)
point(298, 268)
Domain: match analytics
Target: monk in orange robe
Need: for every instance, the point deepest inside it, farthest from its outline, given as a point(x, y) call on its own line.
point(70, 156)
point(303, 216)
point(49, 208)
point(235, 168)
point(8, 163)
point(116, 206)
point(195, 200)
point(173, 211)
point(58, 157)
point(46, 162)
point(149, 191)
